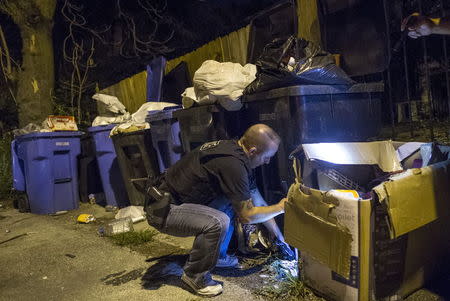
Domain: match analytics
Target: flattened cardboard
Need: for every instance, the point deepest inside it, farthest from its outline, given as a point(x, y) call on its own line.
point(311, 226)
point(427, 235)
point(416, 197)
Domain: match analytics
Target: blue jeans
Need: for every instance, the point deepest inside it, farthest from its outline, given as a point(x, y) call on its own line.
point(224, 205)
point(209, 226)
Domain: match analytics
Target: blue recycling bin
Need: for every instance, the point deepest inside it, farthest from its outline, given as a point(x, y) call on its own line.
point(113, 185)
point(45, 167)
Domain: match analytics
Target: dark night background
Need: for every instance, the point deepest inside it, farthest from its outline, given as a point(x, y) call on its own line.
point(186, 25)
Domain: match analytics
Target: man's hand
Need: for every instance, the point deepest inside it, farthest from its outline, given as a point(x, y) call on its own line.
point(282, 202)
point(284, 250)
point(248, 213)
point(418, 25)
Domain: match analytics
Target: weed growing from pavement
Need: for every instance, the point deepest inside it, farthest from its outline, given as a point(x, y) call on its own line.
point(287, 290)
point(133, 238)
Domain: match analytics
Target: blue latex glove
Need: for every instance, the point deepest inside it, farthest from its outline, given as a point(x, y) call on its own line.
point(284, 250)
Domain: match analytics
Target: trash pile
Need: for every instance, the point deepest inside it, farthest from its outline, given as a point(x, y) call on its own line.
point(282, 269)
point(284, 62)
point(112, 111)
point(122, 223)
point(295, 61)
point(50, 124)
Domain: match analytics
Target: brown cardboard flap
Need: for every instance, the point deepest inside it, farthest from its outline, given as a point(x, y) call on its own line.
point(416, 197)
point(311, 227)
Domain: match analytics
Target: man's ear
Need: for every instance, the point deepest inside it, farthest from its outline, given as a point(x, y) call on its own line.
point(252, 150)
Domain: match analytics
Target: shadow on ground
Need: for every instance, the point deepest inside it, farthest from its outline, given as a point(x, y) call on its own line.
point(166, 271)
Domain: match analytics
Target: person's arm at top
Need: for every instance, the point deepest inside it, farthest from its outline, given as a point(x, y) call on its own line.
point(418, 25)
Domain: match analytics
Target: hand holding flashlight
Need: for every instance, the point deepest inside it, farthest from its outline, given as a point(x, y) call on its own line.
point(417, 25)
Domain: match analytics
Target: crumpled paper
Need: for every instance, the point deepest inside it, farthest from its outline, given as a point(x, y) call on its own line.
point(136, 213)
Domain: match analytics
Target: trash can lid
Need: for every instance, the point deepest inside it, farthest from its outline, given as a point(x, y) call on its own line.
point(101, 128)
point(167, 113)
point(303, 90)
point(61, 134)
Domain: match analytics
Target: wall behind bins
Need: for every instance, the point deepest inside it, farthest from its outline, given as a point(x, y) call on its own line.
point(131, 91)
point(308, 21)
point(230, 48)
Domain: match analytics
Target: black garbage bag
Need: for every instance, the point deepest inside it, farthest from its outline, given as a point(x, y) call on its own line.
point(295, 61)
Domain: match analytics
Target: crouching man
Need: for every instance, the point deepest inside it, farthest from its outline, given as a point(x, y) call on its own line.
point(216, 174)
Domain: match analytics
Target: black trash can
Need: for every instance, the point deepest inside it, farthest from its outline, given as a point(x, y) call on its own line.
point(165, 132)
point(208, 123)
point(137, 161)
point(312, 114)
point(88, 172)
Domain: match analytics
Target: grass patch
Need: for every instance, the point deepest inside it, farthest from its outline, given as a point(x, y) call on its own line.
point(290, 289)
point(133, 238)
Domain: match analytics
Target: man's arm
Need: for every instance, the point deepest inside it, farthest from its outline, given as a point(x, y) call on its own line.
point(418, 25)
point(248, 213)
point(271, 225)
point(261, 213)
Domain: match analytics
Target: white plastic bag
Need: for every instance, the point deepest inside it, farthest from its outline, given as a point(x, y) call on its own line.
point(109, 105)
point(110, 110)
point(222, 82)
point(139, 115)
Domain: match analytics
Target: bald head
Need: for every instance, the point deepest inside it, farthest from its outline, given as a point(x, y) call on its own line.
point(261, 137)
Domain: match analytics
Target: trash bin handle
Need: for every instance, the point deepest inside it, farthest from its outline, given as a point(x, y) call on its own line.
point(63, 180)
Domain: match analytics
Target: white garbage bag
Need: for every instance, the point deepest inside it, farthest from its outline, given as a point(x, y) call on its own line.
point(110, 110)
point(139, 115)
point(189, 98)
point(222, 82)
point(109, 105)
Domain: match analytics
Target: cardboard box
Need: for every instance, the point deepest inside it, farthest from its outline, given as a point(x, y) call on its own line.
point(60, 123)
point(357, 247)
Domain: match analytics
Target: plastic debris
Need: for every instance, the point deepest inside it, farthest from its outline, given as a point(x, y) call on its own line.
point(136, 213)
point(122, 225)
point(92, 199)
point(111, 208)
point(85, 218)
point(283, 269)
point(59, 212)
point(29, 128)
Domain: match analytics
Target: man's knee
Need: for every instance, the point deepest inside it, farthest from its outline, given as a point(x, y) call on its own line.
point(221, 223)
